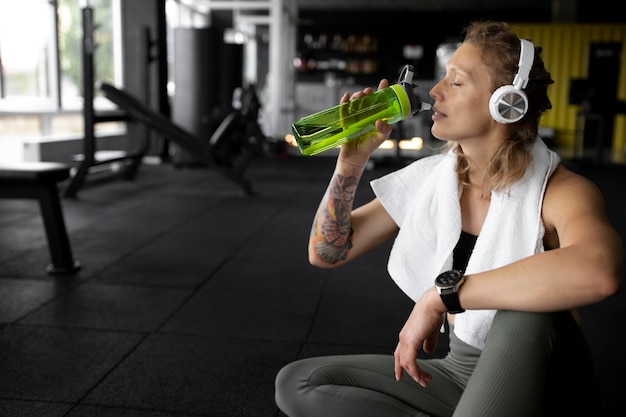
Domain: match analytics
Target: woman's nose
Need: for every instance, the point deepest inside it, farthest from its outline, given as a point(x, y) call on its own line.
point(433, 92)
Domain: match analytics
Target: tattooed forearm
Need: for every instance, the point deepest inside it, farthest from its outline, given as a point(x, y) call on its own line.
point(332, 227)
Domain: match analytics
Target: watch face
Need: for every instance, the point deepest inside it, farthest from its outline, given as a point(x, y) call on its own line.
point(448, 278)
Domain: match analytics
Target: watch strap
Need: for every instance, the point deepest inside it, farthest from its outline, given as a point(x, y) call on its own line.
point(452, 302)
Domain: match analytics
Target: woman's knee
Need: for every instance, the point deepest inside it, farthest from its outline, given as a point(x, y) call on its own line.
point(297, 385)
point(287, 383)
point(515, 327)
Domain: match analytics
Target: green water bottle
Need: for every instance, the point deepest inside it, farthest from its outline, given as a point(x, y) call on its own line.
point(339, 124)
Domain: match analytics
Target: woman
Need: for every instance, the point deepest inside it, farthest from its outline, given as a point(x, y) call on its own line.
point(515, 240)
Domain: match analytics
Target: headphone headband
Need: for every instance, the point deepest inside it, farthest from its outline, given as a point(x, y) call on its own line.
point(526, 59)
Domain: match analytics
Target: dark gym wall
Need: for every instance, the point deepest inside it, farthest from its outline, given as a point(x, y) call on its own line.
point(223, 76)
point(394, 29)
point(195, 99)
point(139, 17)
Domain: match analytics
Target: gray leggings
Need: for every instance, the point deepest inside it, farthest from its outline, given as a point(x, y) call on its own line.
point(533, 364)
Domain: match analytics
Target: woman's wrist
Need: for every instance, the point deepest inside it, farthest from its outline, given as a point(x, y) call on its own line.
point(358, 165)
point(435, 301)
point(352, 160)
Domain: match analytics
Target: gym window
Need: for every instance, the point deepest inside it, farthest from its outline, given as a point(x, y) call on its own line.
point(41, 64)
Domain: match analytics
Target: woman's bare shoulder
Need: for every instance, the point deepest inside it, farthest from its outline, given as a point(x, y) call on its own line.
point(565, 181)
point(570, 197)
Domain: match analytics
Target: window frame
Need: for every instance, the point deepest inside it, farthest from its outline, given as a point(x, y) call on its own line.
point(55, 104)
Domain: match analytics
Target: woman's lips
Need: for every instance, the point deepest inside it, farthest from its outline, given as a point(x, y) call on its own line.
point(437, 115)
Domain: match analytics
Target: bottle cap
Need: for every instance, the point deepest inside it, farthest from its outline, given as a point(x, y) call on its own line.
point(415, 105)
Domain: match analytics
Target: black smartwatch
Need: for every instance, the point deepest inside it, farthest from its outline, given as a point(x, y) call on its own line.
point(448, 284)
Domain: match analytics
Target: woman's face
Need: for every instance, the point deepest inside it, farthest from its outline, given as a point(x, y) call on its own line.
point(461, 109)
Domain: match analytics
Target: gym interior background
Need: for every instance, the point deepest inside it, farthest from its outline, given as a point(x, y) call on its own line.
point(186, 58)
point(163, 271)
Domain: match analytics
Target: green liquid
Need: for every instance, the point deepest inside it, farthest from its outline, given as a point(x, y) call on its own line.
point(344, 122)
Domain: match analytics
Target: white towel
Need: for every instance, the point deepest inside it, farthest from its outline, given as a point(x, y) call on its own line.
point(423, 199)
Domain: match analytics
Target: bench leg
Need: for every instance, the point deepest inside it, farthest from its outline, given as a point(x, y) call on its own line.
point(58, 241)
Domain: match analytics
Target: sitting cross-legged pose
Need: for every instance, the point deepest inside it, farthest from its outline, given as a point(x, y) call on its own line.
point(494, 236)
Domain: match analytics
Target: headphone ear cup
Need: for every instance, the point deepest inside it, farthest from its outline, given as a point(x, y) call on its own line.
point(508, 104)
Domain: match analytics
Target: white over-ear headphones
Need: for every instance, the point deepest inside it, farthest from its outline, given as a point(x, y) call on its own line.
point(509, 103)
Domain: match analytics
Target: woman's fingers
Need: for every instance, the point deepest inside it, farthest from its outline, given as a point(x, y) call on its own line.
point(406, 361)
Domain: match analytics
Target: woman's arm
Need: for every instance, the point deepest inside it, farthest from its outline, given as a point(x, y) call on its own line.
point(340, 234)
point(585, 268)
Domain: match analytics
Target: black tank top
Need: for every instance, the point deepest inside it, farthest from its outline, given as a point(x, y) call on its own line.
point(463, 250)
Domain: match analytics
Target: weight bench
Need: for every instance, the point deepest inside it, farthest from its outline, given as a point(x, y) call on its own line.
point(159, 123)
point(38, 180)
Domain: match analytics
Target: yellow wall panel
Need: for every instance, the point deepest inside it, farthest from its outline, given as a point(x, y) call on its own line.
point(565, 53)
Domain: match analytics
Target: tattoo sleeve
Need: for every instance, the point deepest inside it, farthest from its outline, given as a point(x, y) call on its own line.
point(332, 231)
